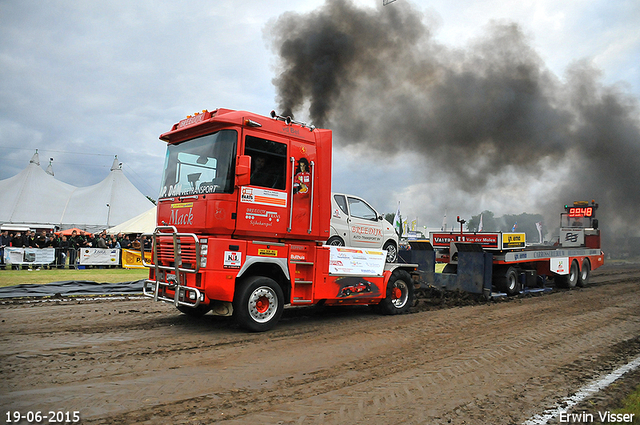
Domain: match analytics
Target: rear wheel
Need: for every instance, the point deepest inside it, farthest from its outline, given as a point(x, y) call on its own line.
point(258, 303)
point(400, 294)
point(569, 280)
point(335, 241)
point(583, 280)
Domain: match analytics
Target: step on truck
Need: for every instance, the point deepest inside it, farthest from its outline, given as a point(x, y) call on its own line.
point(243, 219)
point(499, 263)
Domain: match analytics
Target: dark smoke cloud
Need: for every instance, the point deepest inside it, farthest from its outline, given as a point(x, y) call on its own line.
point(378, 79)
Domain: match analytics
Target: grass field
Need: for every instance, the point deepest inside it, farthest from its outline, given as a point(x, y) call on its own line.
point(17, 277)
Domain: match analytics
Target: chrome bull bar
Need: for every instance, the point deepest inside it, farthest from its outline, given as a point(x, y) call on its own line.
point(168, 245)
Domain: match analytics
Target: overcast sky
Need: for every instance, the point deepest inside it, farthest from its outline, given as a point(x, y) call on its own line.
point(83, 81)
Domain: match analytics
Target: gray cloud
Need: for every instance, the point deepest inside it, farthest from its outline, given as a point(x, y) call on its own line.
point(380, 80)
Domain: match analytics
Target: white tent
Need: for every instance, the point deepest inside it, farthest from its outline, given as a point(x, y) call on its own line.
point(112, 201)
point(35, 197)
point(143, 223)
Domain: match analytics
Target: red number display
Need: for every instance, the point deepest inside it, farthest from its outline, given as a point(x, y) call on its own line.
point(581, 212)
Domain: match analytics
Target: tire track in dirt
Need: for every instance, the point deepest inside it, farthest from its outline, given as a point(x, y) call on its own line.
point(141, 362)
point(502, 363)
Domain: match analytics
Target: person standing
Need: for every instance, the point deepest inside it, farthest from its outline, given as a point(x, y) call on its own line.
point(5, 241)
point(75, 241)
point(63, 251)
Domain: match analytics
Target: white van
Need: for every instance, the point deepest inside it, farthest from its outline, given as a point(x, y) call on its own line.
point(355, 223)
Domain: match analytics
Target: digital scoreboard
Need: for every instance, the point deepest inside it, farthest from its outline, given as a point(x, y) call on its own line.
point(581, 209)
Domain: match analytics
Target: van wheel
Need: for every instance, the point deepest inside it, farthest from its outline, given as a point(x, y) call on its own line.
point(258, 303)
point(392, 251)
point(400, 294)
point(583, 280)
point(335, 241)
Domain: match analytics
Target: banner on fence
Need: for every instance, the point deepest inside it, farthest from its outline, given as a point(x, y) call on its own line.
point(29, 255)
point(132, 259)
point(99, 257)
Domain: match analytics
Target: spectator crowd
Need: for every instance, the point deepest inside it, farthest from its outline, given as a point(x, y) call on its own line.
point(67, 246)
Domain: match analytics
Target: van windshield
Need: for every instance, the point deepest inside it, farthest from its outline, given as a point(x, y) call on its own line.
point(199, 166)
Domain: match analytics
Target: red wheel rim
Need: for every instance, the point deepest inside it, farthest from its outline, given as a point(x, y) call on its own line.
point(262, 305)
point(397, 293)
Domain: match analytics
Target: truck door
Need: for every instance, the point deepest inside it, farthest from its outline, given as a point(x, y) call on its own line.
point(365, 230)
point(263, 207)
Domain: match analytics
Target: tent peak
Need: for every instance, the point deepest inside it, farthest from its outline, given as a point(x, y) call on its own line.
point(35, 159)
point(49, 169)
point(116, 165)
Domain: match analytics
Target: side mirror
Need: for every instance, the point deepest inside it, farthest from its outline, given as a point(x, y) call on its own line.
point(243, 170)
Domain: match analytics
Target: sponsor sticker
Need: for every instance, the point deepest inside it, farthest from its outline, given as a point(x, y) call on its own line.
point(182, 205)
point(513, 240)
point(232, 259)
point(268, 252)
point(254, 195)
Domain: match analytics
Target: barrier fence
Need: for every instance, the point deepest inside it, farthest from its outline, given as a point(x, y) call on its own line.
point(72, 258)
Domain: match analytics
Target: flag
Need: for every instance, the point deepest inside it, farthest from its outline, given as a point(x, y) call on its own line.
point(480, 225)
point(414, 224)
point(397, 224)
point(539, 227)
point(515, 225)
point(444, 221)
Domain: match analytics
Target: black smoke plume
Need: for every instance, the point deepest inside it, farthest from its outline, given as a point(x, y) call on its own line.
point(378, 78)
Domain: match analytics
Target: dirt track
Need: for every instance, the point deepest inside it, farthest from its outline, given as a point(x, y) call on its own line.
point(135, 361)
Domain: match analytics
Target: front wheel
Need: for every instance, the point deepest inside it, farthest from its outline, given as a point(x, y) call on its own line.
point(400, 294)
point(199, 311)
point(258, 304)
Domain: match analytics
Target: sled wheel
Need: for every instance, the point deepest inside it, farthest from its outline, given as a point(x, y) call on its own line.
point(507, 280)
point(569, 280)
point(258, 304)
point(583, 280)
point(399, 294)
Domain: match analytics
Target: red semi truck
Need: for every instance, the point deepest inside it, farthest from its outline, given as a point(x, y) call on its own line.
point(243, 217)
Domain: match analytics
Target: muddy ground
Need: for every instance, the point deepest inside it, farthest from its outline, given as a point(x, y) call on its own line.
point(130, 360)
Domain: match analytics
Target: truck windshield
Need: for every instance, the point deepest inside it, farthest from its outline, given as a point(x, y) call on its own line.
point(199, 166)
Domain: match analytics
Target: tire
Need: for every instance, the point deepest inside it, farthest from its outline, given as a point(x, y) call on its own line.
point(335, 241)
point(197, 312)
point(400, 294)
point(258, 303)
point(585, 273)
point(569, 280)
point(507, 280)
point(392, 251)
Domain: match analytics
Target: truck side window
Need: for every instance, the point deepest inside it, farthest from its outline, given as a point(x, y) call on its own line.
point(360, 209)
point(342, 203)
point(268, 162)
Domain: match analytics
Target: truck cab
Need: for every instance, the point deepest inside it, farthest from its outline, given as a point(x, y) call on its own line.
point(243, 217)
point(356, 223)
